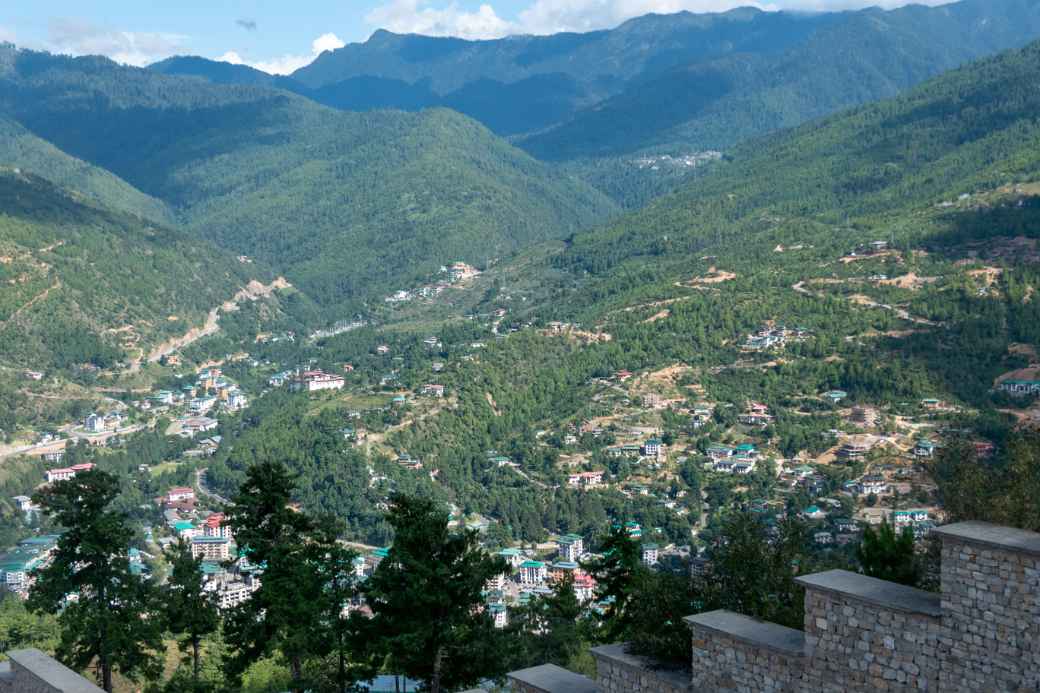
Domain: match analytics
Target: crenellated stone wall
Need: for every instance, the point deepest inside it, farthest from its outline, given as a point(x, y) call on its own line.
point(991, 608)
point(617, 671)
point(980, 633)
point(732, 652)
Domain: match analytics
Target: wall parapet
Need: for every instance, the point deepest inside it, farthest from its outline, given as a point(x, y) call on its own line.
point(618, 671)
point(549, 678)
point(880, 593)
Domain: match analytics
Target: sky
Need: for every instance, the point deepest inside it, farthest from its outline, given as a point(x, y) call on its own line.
point(279, 37)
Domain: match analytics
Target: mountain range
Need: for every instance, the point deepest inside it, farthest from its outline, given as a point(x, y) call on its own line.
point(313, 178)
point(660, 82)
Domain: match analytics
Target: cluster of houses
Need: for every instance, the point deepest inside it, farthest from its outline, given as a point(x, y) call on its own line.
point(740, 459)
point(774, 337)
point(530, 576)
point(456, 273)
point(1020, 388)
point(17, 565)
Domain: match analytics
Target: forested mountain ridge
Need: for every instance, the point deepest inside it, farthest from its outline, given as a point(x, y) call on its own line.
point(85, 285)
point(348, 205)
point(946, 180)
point(855, 58)
point(660, 80)
point(21, 149)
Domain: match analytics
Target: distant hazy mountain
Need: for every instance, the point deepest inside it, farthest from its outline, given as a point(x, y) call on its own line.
point(348, 205)
point(855, 58)
point(677, 81)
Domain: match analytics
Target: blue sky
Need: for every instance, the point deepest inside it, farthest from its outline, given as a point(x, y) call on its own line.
point(279, 36)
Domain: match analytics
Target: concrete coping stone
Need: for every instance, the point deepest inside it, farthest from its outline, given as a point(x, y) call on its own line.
point(887, 595)
point(51, 671)
point(770, 636)
point(618, 652)
point(993, 536)
point(553, 679)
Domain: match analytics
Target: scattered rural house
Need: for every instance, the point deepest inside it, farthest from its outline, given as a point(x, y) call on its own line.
point(192, 426)
point(179, 494)
point(460, 271)
point(499, 615)
point(823, 538)
point(854, 449)
point(814, 512)
point(653, 448)
point(382, 349)
point(34, 375)
point(649, 554)
point(756, 415)
point(924, 448)
point(433, 389)
point(201, 405)
point(835, 396)
point(216, 526)
point(315, 381)
point(585, 480)
point(54, 455)
point(720, 452)
point(873, 484)
point(571, 547)
point(532, 572)
point(701, 417)
point(905, 518)
point(94, 423)
point(210, 548)
point(514, 557)
point(66, 473)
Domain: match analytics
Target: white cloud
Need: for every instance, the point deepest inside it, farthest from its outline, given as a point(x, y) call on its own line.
point(6, 35)
point(420, 17)
point(78, 37)
point(289, 63)
point(552, 16)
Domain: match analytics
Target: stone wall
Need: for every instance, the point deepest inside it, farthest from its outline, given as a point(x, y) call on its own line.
point(31, 671)
point(991, 608)
point(732, 652)
point(620, 672)
point(982, 633)
point(870, 635)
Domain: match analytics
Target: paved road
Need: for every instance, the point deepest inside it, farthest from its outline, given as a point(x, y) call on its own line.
point(55, 446)
point(200, 481)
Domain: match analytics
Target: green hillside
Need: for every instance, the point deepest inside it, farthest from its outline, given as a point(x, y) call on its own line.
point(19, 148)
point(348, 205)
point(85, 285)
point(948, 176)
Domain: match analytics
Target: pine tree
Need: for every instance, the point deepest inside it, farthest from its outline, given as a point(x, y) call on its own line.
point(547, 629)
point(113, 622)
point(189, 611)
point(889, 556)
point(616, 572)
point(327, 576)
point(271, 533)
point(425, 598)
